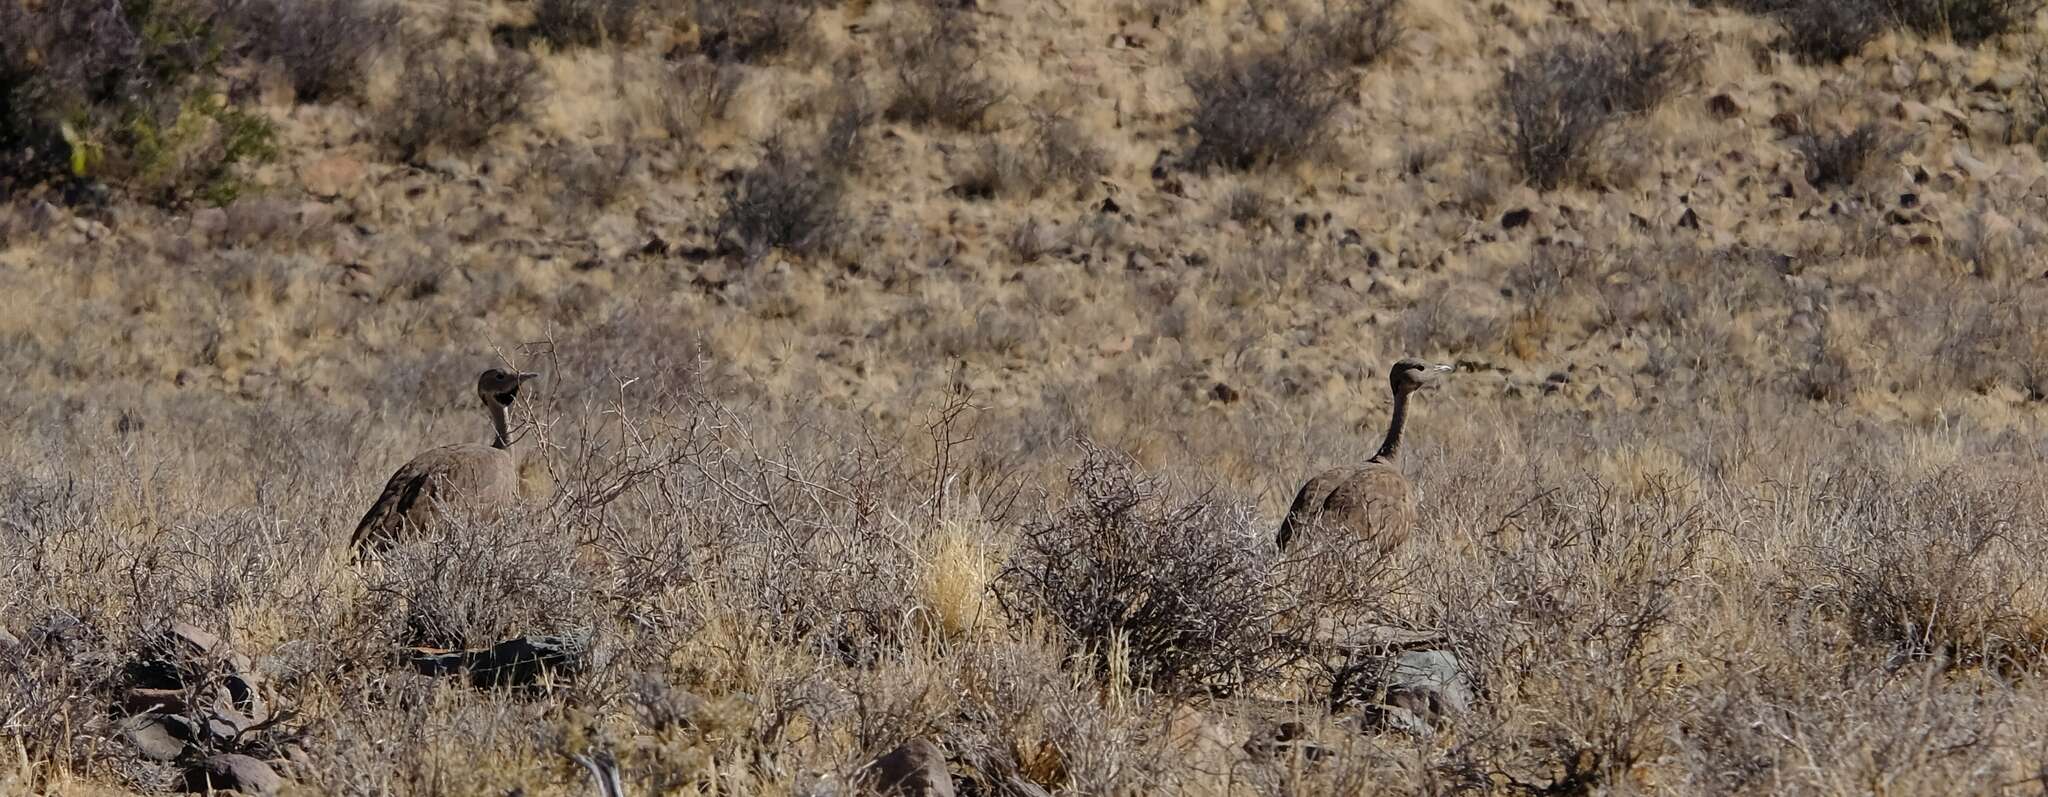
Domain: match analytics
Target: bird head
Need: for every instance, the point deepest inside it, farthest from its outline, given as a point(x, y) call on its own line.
point(498, 388)
point(1410, 374)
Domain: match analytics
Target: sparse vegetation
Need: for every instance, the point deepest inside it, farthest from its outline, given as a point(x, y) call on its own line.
point(1966, 22)
point(323, 47)
point(939, 76)
point(455, 103)
point(1737, 487)
point(1047, 153)
point(1356, 32)
point(1260, 109)
point(125, 95)
point(1840, 158)
point(789, 200)
point(585, 23)
point(1175, 590)
point(1557, 102)
point(751, 31)
point(1828, 32)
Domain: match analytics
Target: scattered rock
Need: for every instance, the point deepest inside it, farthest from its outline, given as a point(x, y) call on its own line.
point(332, 177)
point(142, 700)
point(1689, 220)
point(1430, 683)
point(1976, 169)
point(1379, 718)
point(232, 772)
point(159, 738)
point(1286, 738)
point(209, 221)
point(1515, 218)
point(517, 662)
point(916, 769)
point(1788, 123)
point(1224, 393)
point(1723, 106)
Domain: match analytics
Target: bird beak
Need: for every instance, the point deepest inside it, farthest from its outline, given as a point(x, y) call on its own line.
point(522, 377)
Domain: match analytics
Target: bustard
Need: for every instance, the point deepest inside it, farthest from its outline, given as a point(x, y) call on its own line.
point(1372, 501)
point(471, 476)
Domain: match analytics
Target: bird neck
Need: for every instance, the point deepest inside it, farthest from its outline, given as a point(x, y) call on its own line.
point(1392, 445)
point(499, 425)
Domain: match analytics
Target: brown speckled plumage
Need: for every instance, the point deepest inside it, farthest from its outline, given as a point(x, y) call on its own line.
point(1372, 502)
point(471, 477)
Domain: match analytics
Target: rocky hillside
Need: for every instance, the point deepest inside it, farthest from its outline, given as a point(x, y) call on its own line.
point(827, 292)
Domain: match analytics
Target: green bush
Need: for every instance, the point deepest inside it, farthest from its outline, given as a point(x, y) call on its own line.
point(128, 94)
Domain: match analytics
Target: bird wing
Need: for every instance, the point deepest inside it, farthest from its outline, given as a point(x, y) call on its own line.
point(1375, 501)
point(465, 473)
point(1309, 502)
point(399, 496)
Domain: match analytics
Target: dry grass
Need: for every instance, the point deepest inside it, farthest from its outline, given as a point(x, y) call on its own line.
point(1738, 489)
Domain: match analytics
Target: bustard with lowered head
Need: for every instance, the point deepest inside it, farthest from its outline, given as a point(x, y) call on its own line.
point(1373, 501)
point(472, 476)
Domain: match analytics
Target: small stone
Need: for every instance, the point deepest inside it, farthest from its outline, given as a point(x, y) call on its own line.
point(233, 772)
point(225, 723)
point(144, 700)
point(1787, 123)
point(1689, 219)
point(209, 221)
point(1224, 393)
point(1430, 683)
point(916, 769)
point(1378, 718)
point(517, 662)
point(1723, 106)
point(159, 738)
point(1515, 218)
point(332, 177)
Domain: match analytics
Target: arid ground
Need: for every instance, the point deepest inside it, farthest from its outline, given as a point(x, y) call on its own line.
point(939, 371)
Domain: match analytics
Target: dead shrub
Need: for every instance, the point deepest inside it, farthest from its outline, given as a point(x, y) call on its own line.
point(1444, 321)
point(1247, 205)
point(1839, 159)
point(1829, 31)
point(472, 584)
point(1259, 109)
point(1966, 22)
point(844, 142)
point(751, 31)
point(1355, 32)
point(586, 23)
point(1564, 618)
point(692, 92)
point(455, 103)
point(63, 674)
point(939, 77)
point(322, 46)
point(1050, 154)
point(1176, 585)
point(1931, 569)
point(1558, 102)
point(789, 200)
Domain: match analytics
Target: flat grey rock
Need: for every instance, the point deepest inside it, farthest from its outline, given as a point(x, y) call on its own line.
point(233, 772)
point(916, 769)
